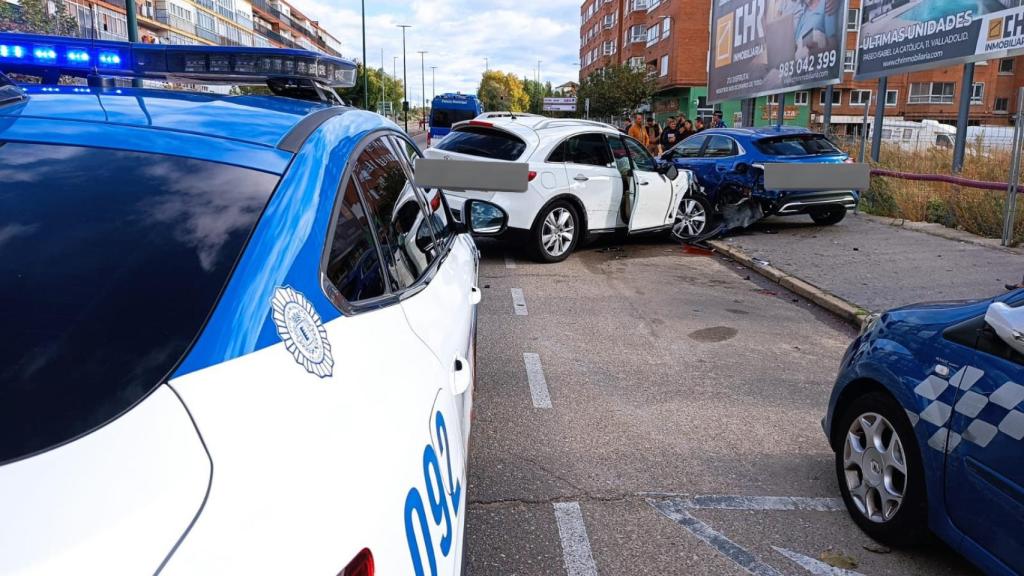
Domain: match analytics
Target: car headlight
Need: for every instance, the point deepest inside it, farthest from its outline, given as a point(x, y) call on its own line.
point(869, 322)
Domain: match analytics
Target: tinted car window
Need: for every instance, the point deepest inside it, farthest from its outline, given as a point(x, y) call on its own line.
point(641, 158)
point(405, 236)
point(721, 147)
point(589, 149)
point(620, 155)
point(353, 263)
point(690, 148)
point(558, 154)
point(797, 145)
point(479, 141)
point(110, 263)
point(431, 198)
point(442, 118)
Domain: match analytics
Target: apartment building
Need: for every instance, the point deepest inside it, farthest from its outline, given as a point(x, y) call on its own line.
point(670, 38)
point(261, 23)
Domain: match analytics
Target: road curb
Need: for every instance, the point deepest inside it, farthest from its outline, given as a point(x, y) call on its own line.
point(846, 310)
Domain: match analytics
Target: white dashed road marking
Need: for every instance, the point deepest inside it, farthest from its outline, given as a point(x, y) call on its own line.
point(579, 561)
point(816, 567)
point(510, 262)
point(519, 302)
point(535, 376)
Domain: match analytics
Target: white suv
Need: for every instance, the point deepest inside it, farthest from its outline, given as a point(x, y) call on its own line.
point(585, 178)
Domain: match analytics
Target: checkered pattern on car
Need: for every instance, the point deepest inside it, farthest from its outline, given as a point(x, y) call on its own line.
point(986, 415)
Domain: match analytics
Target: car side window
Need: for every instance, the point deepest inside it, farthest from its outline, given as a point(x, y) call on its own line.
point(588, 149)
point(432, 199)
point(620, 155)
point(353, 262)
point(642, 159)
point(403, 232)
point(690, 148)
point(721, 147)
point(558, 154)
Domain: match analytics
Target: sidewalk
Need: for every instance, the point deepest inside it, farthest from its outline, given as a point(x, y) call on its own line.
point(873, 264)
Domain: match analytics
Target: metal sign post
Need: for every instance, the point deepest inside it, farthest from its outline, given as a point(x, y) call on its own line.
point(864, 130)
point(876, 136)
point(586, 107)
point(1011, 196)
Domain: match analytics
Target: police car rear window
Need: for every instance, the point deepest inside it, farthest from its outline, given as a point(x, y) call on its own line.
point(483, 142)
point(444, 118)
point(110, 262)
point(797, 145)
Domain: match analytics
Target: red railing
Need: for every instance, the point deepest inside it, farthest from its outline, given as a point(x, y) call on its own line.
point(955, 180)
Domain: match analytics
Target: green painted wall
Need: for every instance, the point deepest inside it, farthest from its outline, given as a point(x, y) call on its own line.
point(684, 100)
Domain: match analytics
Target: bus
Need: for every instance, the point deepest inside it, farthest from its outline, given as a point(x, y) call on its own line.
point(447, 109)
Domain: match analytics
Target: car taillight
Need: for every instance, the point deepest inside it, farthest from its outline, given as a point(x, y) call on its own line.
point(435, 202)
point(531, 175)
point(361, 565)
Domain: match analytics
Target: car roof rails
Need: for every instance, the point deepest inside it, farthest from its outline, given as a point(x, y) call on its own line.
point(559, 122)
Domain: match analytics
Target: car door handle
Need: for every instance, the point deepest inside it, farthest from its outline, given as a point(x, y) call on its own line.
point(474, 295)
point(462, 375)
point(581, 178)
point(644, 183)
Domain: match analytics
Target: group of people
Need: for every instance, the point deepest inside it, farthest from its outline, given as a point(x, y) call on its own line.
point(658, 139)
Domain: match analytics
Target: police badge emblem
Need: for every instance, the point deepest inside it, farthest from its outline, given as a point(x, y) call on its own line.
point(302, 331)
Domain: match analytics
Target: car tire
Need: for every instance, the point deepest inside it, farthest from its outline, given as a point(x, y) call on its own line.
point(556, 232)
point(694, 220)
point(828, 215)
point(888, 505)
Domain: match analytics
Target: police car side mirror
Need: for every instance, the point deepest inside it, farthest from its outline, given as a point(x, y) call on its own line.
point(1008, 324)
point(484, 218)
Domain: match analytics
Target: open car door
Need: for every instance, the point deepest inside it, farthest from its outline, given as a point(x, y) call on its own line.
point(649, 193)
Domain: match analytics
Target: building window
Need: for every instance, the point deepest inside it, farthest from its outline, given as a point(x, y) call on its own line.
point(860, 97)
point(652, 34)
point(609, 48)
point(638, 5)
point(773, 99)
point(853, 19)
point(652, 4)
point(666, 24)
point(1002, 105)
point(892, 97)
point(802, 98)
point(850, 61)
point(978, 93)
point(837, 97)
point(637, 33)
point(609, 20)
point(637, 62)
point(664, 65)
point(931, 93)
point(1006, 66)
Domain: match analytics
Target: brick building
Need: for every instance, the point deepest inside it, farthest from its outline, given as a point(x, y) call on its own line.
point(262, 23)
point(670, 38)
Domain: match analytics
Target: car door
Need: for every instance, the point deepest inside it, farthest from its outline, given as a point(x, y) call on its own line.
point(719, 156)
point(652, 192)
point(432, 272)
point(985, 468)
point(593, 177)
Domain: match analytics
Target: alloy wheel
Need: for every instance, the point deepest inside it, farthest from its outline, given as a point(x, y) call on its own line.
point(875, 467)
point(692, 219)
point(558, 231)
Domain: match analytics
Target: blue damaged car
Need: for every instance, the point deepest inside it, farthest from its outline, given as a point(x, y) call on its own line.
point(927, 423)
point(729, 165)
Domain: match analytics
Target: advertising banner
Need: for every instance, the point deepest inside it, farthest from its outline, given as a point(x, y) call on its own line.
point(761, 47)
point(560, 104)
point(905, 35)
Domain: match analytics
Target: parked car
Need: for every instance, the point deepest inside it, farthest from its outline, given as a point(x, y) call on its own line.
point(728, 163)
point(586, 178)
point(927, 423)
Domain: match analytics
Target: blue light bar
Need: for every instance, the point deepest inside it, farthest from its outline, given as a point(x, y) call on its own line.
point(35, 54)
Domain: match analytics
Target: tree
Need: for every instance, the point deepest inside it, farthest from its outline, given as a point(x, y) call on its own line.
point(617, 90)
point(501, 91)
point(39, 17)
point(380, 85)
point(536, 92)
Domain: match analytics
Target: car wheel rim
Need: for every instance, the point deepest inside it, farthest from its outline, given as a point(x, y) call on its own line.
point(692, 219)
point(875, 467)
point(558, 232)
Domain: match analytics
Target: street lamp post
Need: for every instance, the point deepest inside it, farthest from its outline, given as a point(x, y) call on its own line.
point(487, 65)
point(538, 71)
point(405, 79)
point(433, 84)
point(423, 81)
point(394, 75)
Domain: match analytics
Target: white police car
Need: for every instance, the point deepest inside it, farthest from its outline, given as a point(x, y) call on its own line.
point(238, 338)
point(586, 178)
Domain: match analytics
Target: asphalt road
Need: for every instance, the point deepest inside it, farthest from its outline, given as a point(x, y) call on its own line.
point(625, 399)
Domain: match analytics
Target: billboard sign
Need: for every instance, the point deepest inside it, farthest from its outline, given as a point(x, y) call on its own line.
point(761, 47)
point(899, 36)
point(559, 105)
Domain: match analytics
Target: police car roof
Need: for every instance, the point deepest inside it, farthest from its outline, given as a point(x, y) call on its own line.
point(259, 121)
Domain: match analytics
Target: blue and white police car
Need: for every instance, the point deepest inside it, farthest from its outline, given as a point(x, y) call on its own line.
point(927, 422)
point(238, 336)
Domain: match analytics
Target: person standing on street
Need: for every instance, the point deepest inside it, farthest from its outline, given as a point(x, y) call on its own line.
point(686, 131)
point(653, 136)
point(718, 122)
point(699, 126)
point(639, 132)
point(670, 135)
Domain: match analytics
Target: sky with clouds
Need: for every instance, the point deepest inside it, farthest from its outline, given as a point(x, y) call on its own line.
point(457, 35)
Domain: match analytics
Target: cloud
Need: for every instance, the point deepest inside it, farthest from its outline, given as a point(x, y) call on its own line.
point(458, 34)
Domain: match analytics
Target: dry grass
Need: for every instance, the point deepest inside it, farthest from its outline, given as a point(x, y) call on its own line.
point(976, 211)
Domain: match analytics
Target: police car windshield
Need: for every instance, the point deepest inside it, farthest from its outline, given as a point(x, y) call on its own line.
point(110, 262)
point(444, 118)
